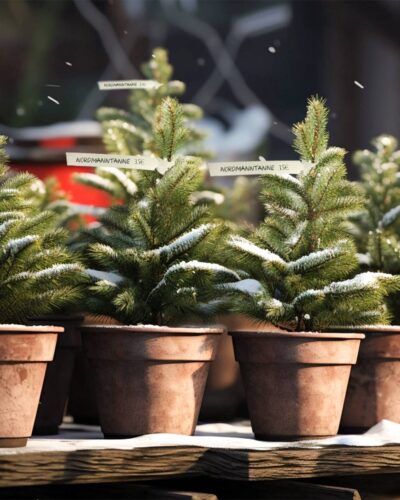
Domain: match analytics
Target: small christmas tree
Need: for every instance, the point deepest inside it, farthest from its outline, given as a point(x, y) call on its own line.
point(161, 248)
point(378, 226)
point(302, 255)
point(38, 275)
point(131, 132)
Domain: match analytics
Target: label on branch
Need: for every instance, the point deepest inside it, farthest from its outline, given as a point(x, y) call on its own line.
point(129, 84)
point(257, 167)
point(138, 162)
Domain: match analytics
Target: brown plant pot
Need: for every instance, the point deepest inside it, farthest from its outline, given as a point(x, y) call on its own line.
point(149, 379)
point(24, 354)
point(295, 383)
point(57, 381)
point(374, 387)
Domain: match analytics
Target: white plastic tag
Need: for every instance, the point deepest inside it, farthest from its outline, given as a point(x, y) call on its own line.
point(138, 162)
point(259, 167)
point(129, 84)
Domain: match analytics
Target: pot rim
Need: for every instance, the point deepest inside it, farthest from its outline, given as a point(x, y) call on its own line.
point(369, 329)
point(6, 328)
point(213, 330)
point(296, 335)
point(59, 318)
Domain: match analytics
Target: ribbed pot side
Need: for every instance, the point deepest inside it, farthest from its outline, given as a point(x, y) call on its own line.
point(295, 383)
point(148, 379)
point(24, 354)
point(57, 381)
point(374, 387)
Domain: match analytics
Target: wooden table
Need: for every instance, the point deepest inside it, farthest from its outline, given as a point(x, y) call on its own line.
point(26, 468)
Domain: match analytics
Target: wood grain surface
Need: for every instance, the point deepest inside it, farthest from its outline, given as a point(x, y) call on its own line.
point(89, 466)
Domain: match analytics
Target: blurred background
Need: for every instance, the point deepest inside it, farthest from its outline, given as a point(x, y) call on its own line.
point(251, 64)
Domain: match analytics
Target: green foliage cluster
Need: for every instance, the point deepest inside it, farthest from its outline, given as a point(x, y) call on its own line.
point(47, 195)
point(38, 275)
point(378, 226)
point(302, 254)
point(160, 247)
point(137, 130)
point(380, 181)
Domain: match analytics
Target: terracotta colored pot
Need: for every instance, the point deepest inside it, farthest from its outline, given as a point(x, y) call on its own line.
point(24, 354)
point(374, 387)
point(57, 381)
point(295, 383)
point(149, 379)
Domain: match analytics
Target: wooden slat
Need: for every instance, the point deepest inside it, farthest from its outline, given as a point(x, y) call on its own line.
point(305, 491)
point(88, 466)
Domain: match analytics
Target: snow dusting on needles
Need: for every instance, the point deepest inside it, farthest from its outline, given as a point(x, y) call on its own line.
point(359, 84)
point(52, 99)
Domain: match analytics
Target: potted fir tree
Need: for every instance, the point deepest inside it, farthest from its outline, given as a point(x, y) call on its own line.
point(37, 275)
point(374, 387)
point(150, 372)
point(303, 258)
point(130, 132)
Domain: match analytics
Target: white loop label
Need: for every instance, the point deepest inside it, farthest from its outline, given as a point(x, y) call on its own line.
point(260, 167)
point(129, 84)
point(92, 160)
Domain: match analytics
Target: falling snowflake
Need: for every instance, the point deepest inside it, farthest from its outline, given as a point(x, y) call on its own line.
point(52, 99)
point(358, 84)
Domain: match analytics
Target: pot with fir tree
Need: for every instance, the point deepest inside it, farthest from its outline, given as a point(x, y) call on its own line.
point(130, 131)
point(303, 260)
point(150, 371)
point(374, 387)
point(37, 275)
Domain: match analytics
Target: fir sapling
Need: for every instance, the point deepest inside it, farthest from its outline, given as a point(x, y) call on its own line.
point(302, 254)
point(38, 275)
point(378, 225)
point(160, 248)
point(131, 132)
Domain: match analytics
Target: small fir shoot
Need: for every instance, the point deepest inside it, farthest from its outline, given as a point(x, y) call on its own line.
point(160, 247)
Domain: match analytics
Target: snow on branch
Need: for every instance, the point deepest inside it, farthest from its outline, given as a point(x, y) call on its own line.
point(185, 242)
point(315, 259)
point(248, 247)
point(390, 217)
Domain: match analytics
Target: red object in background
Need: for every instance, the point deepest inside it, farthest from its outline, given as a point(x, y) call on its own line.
point(75, 192)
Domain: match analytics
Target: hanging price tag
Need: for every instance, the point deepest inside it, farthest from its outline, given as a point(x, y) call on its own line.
point(257, 167)
point(129, 84)
point(138, 162)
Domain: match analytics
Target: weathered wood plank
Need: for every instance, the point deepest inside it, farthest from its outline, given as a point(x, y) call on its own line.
point(304, 491)
point(88, 466)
